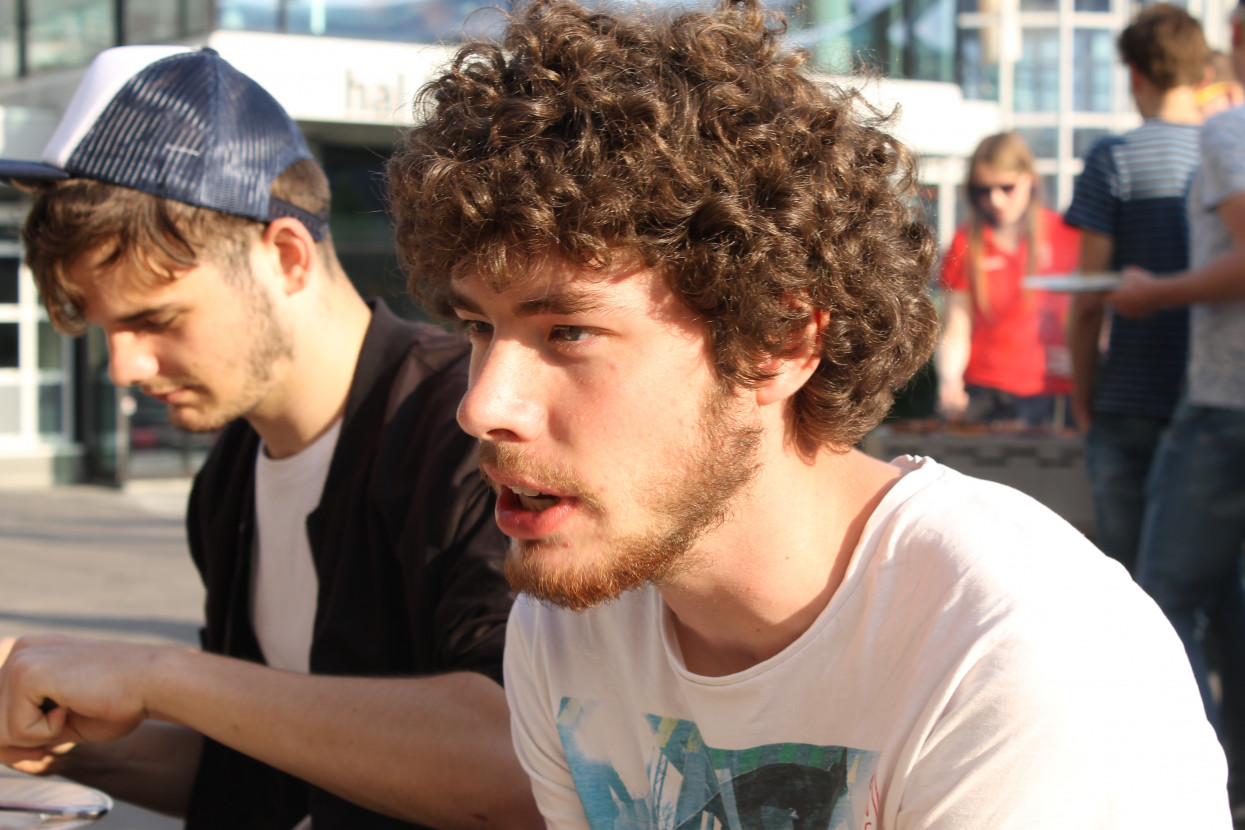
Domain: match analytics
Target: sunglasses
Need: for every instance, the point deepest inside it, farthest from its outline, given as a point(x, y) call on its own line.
point(982, 191)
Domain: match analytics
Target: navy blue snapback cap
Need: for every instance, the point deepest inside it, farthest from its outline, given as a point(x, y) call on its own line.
point(178, 123)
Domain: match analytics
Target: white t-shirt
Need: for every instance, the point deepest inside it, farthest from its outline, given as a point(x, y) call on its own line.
point(1217, 330)
point(283, 592)
point(981, 666)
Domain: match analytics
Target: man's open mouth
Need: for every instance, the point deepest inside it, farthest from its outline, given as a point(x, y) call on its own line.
point(534, 500)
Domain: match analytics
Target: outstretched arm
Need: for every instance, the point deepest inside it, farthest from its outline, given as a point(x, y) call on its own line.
point(951, 356)
point(433, 750)
point(1223, 278)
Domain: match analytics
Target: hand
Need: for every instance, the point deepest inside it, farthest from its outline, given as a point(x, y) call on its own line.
point(1082, 414)
point(55, 690)
point(35, 760)
point(952, 400)
point(1136, 297)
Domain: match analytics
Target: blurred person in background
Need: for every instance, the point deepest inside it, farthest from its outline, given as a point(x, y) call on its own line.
point(1190, 554)
point(1002, 355)
point(1220, 90)
point(1129, 203)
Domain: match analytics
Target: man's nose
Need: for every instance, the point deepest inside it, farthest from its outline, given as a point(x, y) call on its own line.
point(502, 400)
point(130, 361)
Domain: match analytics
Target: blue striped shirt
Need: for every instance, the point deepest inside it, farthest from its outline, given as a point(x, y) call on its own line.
point(1133, 189)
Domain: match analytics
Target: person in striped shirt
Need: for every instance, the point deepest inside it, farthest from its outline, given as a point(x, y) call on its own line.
point(1129, 204)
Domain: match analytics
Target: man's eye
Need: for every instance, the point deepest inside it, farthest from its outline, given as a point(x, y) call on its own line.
point(571, 334)
point(475, 327)
point(157, 325)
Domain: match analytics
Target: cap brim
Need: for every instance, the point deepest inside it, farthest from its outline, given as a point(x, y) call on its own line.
point(15, 169)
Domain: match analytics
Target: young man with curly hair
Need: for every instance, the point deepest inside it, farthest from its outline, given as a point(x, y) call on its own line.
point(692, 281)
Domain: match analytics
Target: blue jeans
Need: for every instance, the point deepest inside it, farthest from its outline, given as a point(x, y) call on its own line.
point(1119, 453)
point(986, 404)
point(1190, 559)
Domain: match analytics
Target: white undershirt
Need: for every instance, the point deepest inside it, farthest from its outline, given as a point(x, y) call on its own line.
point(283, 592)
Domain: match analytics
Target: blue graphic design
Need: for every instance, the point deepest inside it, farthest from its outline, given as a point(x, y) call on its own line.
point(690, 785)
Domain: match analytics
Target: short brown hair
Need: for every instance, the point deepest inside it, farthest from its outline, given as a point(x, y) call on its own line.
point(156, 237)
point(698, 145)
point(1166, 44)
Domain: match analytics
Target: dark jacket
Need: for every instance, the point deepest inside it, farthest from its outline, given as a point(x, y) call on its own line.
point(405, 548)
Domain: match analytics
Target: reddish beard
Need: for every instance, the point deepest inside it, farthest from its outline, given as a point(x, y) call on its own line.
point(685, 504)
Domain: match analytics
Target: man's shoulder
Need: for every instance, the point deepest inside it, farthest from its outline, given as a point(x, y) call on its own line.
point(1228, 120)
point(949, 524)
point(1222, 136)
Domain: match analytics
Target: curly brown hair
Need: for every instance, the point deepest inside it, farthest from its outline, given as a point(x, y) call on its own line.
point(697, 144)
point(153, 237)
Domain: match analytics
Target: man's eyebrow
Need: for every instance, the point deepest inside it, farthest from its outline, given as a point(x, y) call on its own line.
point(564, 303)
point(144, 313)
point(461, 302)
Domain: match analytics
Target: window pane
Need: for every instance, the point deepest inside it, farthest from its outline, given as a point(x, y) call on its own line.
point(198, 18)
point(1092, 62)
point(51, 406)
point(1095, 5)
point(50, 342)
point(1050, 191)
point(253, 15)
point(8, 39)
point(1043, 141)
point(421, 21)
point(1037, 72)
point(8, 345)
point(932, 42)
point(68, 32)
point(1084, 138)
point(842, 34)
point(8, 280)
point(151, 21)
point(10, 409)
point(979, 64)
point(1039, 5)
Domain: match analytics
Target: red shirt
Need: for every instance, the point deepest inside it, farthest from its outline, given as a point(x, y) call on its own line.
point(1011, 334)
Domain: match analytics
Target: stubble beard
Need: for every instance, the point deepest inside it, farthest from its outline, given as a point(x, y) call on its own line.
point(691, 501)
point(270, 343)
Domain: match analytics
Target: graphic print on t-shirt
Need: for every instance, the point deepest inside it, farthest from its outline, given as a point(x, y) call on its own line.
point(693, 785)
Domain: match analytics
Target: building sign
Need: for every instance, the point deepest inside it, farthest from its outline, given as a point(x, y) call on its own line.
point(332, 80)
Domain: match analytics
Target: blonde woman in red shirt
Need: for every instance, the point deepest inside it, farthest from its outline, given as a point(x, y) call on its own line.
point(1003, 355)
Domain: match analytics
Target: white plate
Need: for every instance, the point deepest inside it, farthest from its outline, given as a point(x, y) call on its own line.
point(89, 804)
point(1103, 281)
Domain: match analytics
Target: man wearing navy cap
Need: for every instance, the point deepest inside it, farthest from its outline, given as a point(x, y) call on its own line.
point(355, 605)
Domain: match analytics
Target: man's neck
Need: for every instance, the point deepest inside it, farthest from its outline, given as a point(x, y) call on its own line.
point(328, 336)
point(1177, 105)
point(772, 568)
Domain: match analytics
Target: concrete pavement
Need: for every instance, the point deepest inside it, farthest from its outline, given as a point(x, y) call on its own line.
point(97, 562)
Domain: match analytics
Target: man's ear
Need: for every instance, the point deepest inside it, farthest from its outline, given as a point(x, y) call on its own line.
point(293, 250)
point(790, 373)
